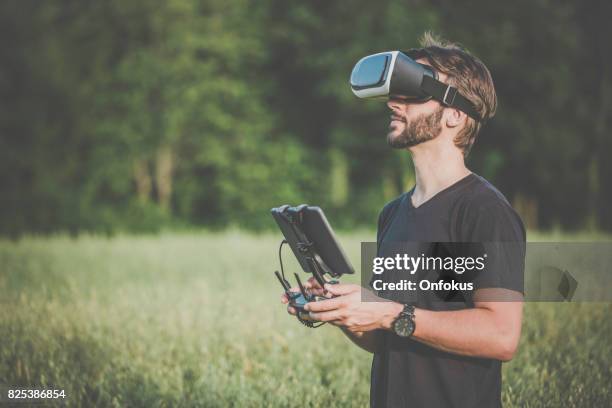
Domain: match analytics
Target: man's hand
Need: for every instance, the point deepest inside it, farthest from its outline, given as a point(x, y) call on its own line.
point(363, 339)
point(347, 310)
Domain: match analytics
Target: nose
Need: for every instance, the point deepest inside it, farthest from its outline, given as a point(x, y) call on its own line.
point(394, 104)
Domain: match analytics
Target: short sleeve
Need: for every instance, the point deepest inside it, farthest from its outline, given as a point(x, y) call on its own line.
point(500, 235)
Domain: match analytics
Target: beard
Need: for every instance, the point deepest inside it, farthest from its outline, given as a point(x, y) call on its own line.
point(417, 131)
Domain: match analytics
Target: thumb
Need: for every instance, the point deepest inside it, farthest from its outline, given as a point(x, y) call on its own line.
point(342, 289)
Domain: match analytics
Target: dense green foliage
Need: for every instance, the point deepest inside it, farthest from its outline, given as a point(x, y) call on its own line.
point(135, 114)
point(179, 320)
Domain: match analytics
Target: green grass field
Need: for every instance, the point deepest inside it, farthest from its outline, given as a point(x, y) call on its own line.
point(195, 320)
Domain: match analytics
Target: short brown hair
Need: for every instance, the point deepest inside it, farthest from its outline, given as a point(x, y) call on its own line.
point(470, 76)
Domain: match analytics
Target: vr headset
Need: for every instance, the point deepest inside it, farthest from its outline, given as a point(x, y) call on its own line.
point(396, 74)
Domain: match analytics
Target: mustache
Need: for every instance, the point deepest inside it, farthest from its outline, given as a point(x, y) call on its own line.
point(397, 117)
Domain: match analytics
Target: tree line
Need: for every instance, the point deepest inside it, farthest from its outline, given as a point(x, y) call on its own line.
point(135, 115)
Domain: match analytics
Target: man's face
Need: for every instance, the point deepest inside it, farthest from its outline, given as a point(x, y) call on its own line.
point(413, 123)
point(410, 127)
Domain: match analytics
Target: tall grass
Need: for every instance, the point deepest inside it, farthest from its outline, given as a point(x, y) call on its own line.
point(195, 320)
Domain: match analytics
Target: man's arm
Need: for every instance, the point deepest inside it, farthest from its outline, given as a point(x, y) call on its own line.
point(491, 329)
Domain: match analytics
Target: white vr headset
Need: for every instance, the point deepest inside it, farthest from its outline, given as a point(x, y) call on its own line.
point(396, 74)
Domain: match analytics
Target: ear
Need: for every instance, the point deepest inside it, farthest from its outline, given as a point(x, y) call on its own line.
point(454, 117)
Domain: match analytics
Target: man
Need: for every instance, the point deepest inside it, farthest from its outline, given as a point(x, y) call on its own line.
point(453, 355)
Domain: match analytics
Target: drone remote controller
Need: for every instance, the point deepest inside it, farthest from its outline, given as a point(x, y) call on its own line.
point(298, 300)
point(312, 240)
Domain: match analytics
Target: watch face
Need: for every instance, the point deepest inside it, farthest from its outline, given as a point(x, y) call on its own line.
point(403, 326)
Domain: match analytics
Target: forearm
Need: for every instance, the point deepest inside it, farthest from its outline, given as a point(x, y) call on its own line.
point(490, 329)
point(364, 340)
point(478, 332)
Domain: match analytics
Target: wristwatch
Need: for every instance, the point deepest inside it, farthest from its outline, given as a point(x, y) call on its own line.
point(404, 325)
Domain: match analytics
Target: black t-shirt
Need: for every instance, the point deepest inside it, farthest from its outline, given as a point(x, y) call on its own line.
point(407, 373)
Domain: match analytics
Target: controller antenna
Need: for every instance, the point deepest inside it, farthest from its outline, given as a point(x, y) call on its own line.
point(285, 284)
point(302, 289)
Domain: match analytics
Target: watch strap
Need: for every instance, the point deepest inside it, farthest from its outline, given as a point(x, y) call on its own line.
point(408, 311)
